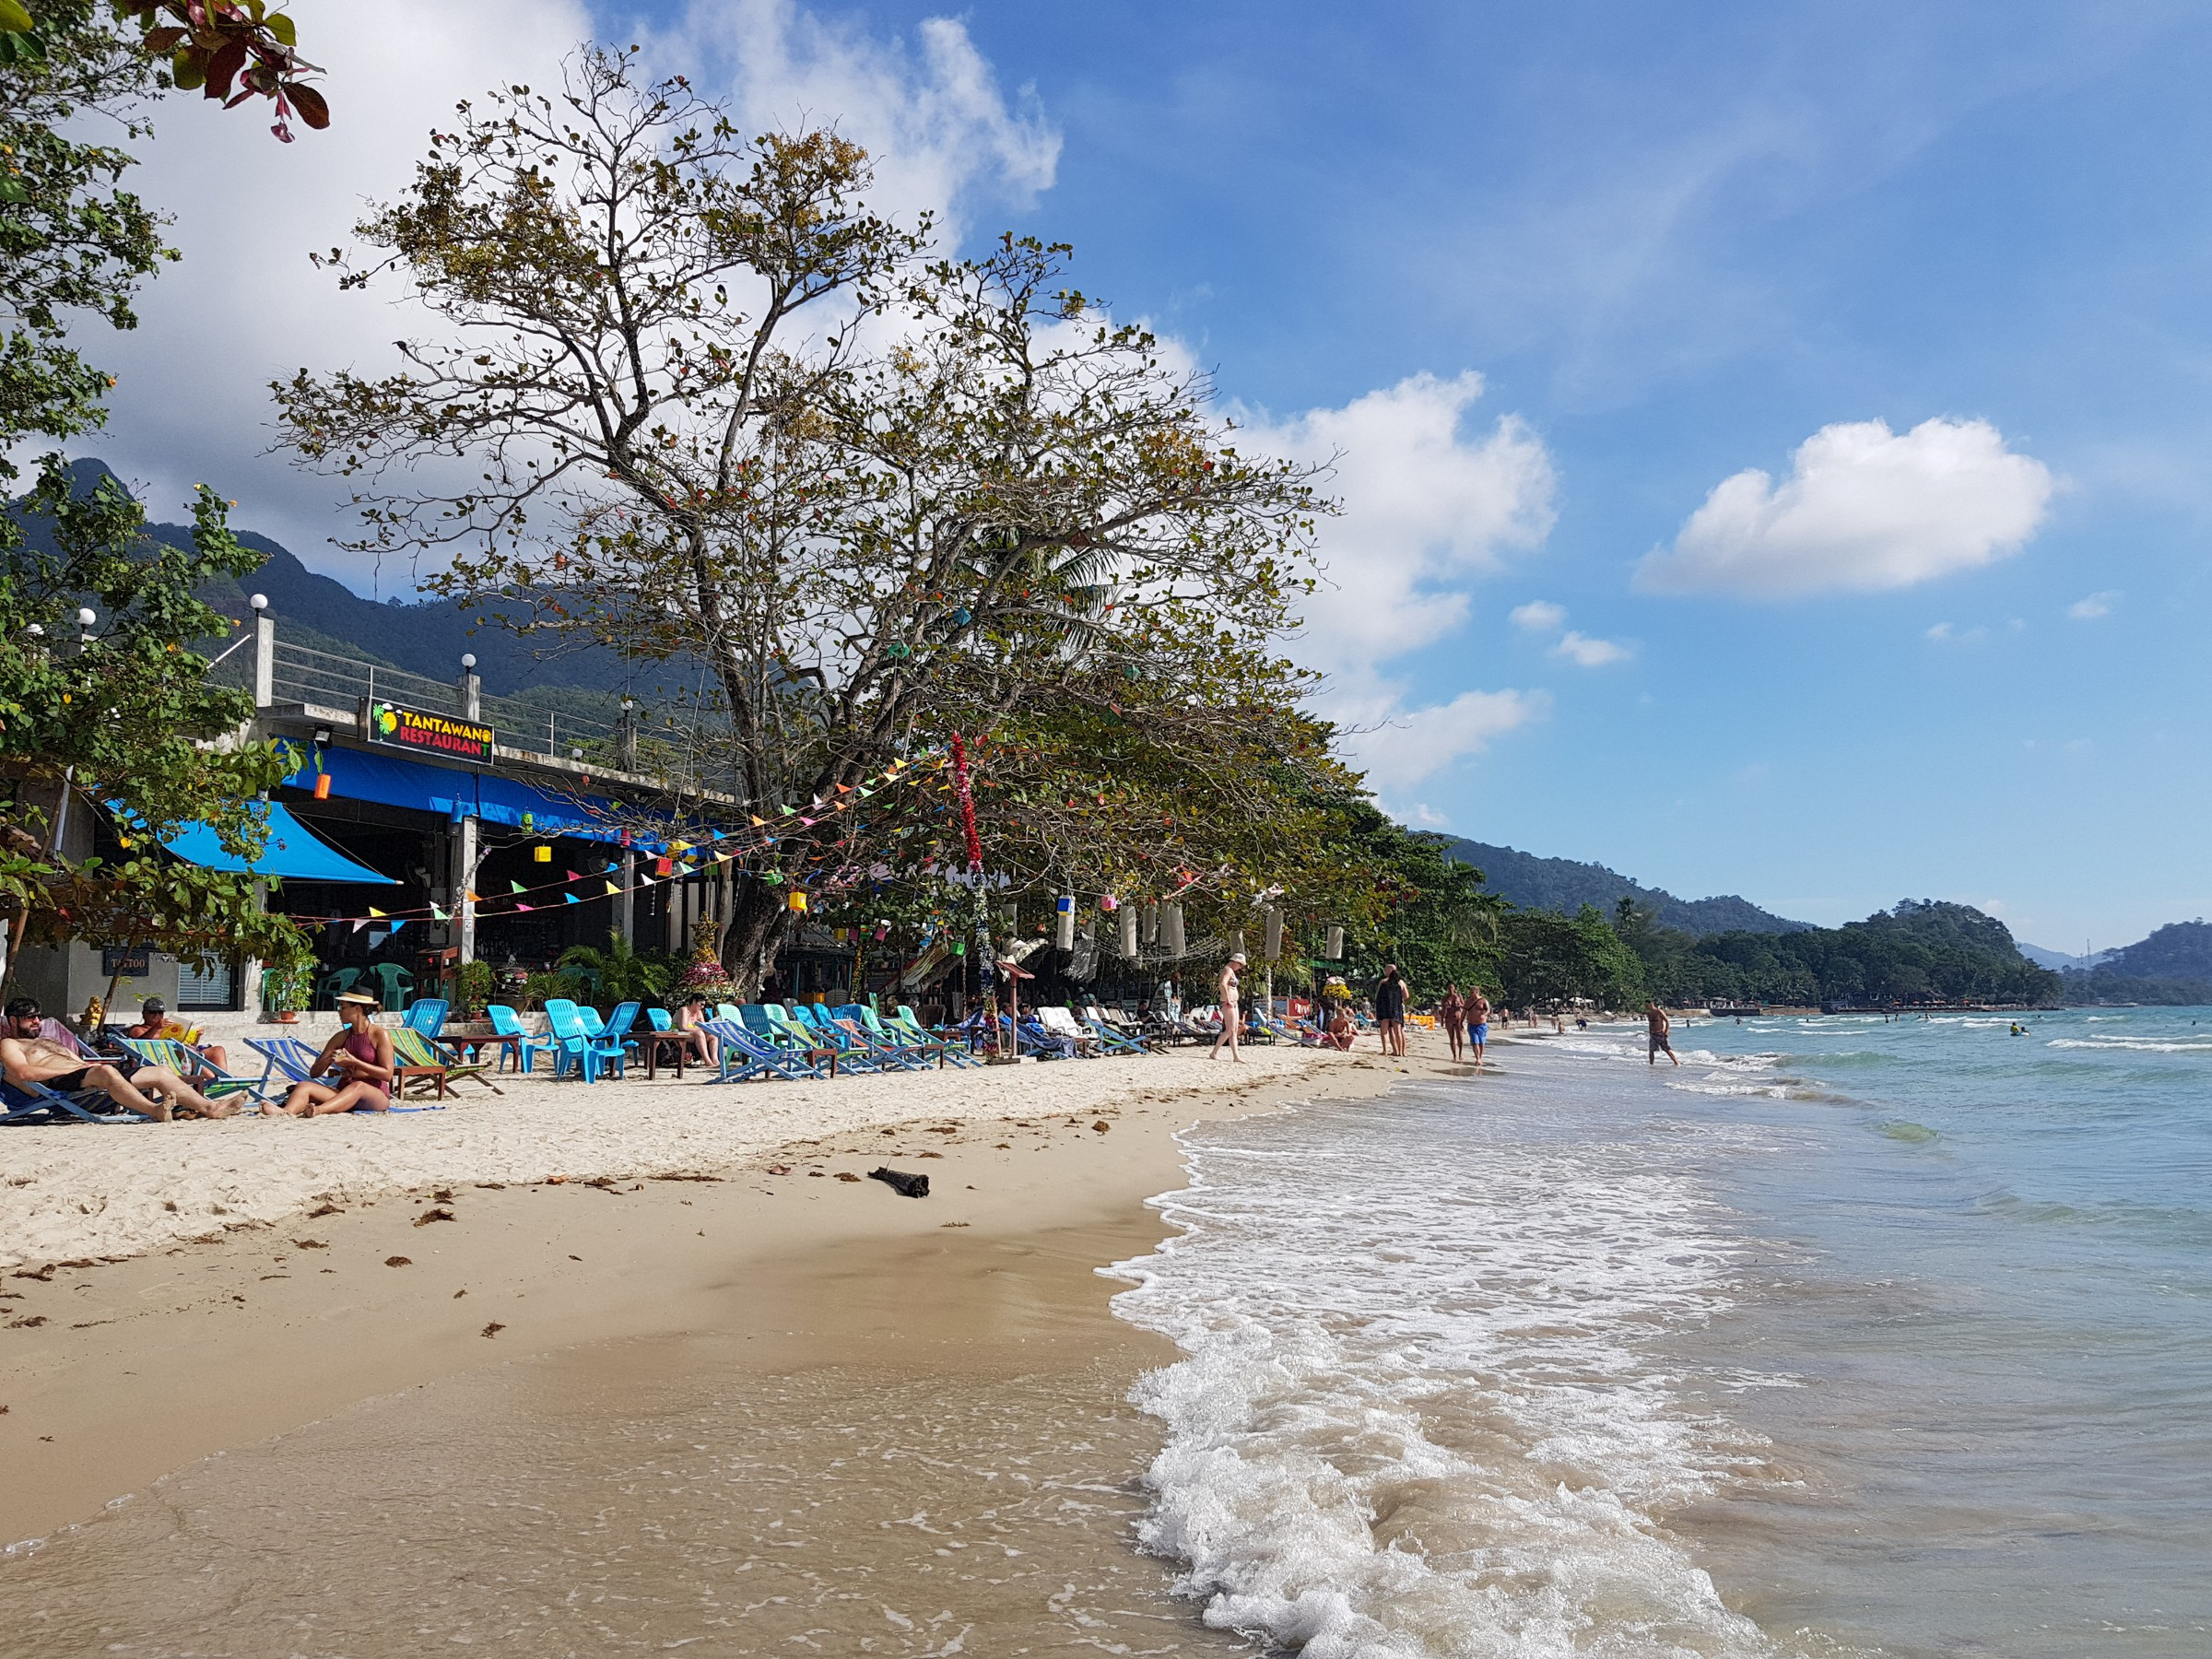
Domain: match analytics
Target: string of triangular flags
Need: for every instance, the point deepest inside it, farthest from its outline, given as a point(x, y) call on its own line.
point(718, 847)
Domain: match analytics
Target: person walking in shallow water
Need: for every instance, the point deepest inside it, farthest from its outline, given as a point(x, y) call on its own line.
point(1228, 990)
point(1478, 1023)
point(1451, 1013)
point(1655, 1018)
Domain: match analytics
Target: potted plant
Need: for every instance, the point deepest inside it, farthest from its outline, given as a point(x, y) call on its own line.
point(284, 987)
point(475, 986)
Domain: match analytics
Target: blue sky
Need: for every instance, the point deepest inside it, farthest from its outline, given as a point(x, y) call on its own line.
point(1960, 659)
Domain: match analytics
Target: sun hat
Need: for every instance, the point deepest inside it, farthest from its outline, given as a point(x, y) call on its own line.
point(358, 996)
point(1238, 957)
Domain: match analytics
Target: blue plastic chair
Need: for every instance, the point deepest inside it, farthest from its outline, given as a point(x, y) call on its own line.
point(574, 1043)
point(617, 1029)
point(508, 1023)
point(426, 1015)
point(661, 1021)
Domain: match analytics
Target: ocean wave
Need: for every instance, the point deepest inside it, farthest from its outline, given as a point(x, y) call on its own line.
point(2148, 1045)
point(1421, 1419)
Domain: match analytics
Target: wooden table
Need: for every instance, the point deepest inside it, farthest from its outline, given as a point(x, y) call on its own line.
point(473, 1046)
point(400, 1074)
point(653, 1041)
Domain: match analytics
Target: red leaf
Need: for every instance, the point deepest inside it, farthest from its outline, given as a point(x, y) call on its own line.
point(310, 104)
point(228, 59)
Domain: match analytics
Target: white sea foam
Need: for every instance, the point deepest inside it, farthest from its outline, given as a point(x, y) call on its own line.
point(2108, 1041)
point(1423, 1410)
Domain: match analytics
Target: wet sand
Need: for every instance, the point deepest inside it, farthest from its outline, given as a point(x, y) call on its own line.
point(666, 1374)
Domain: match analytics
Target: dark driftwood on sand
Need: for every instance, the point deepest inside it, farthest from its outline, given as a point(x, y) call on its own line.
point(900, 1182)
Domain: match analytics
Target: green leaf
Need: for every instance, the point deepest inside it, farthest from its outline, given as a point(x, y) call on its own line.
point(14, 19)
point(283, 29)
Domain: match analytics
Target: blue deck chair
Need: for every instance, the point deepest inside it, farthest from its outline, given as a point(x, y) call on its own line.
point(35, 1102)
point(852, 1054)
point(426, 1015)
point(746, 1054)
point(888, 1030)
point(954, 1039)
point(574, 1044)
point(660, 1019)
point(1117, 1041)
point(508, 1023)
point(783, 1034)
point(616, 1033)
point(188, 1062)
point(859, 1020)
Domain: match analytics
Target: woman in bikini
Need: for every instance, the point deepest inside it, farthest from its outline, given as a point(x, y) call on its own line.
point(359, 1055)
point(1229, 1009)
point(1451, 1013)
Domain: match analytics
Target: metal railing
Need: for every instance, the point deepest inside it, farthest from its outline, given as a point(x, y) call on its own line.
point(302, 675)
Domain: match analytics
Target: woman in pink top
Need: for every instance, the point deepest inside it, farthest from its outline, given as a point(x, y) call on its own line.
point(359, 1056)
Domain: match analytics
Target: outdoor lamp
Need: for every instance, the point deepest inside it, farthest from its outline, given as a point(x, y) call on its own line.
point(468, 661)
point(258, 603)
point(629, 703)
point(798, 900)
point(322, 735)
point(85, 618)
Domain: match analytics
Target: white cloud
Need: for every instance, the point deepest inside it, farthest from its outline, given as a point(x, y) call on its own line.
point(2094, 606)
point(1408, 746)
point(1946, 634)
point(1426, 510)
point(1538, 616)
point(246, 306)
point(945, 138)
point(1586, 652)
point(1863, 510)
point(1429, 818)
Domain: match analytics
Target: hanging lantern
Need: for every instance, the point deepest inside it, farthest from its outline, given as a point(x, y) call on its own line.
point(1274, 932)
point(323, 786)
point(1109, 903)
point(797, 901)
point(1065, 933)
point(1148, 925)
point(1171, 929)
point(1128, 939)
point(541, 856)
point(1335, 952)
point(664, 867)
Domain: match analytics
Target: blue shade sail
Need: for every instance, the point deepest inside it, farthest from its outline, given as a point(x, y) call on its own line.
point(294, 852)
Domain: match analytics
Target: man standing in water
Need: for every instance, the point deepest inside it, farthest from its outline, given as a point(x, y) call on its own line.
point(1478, 1023)
point(1656, 1017)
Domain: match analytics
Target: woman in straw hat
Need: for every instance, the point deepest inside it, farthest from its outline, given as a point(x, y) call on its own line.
point(359, 1056)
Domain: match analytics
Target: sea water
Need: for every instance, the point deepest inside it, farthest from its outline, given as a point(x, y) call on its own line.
point(1845, 1336)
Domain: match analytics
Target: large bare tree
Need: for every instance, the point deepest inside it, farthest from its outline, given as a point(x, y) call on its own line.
point(716, 408)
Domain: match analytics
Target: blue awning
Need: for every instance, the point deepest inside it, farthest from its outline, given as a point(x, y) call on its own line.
point(294, 852)
point(454, 793)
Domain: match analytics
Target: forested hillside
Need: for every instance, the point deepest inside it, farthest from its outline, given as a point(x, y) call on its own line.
point(1564, 886)
point(2173, 966)
point(1921, 950)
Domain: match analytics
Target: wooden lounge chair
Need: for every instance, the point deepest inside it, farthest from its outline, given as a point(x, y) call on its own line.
point(416, 1050)
point(189, 1063)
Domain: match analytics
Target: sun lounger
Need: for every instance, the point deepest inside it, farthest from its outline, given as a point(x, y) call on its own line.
point(413, 1048)
point(189, 1063)
point(746, 1055)
point(1062, 1024)
point(294, 1061)
point(852, 1054)
point(1116, 1040)
point(35, 1102)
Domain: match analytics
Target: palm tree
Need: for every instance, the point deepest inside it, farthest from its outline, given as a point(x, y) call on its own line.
point(622, 973)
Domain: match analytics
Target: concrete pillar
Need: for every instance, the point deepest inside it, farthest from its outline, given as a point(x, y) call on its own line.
point(468, 695)
point(465, 879)
point(265, 660)
point(626, 902)
point(249, 970)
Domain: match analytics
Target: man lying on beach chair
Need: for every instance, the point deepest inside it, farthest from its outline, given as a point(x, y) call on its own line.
point(156, 1026)
point(29, 1055)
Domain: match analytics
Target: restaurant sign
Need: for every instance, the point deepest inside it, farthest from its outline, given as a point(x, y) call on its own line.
point(436, 733)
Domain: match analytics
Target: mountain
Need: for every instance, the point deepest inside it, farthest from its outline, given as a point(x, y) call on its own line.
point(2044, 957)
point(1564, 884)
point(2180, 951)
point(428, 636)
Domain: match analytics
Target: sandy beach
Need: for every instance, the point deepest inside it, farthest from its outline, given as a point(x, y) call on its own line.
point(180, 1291)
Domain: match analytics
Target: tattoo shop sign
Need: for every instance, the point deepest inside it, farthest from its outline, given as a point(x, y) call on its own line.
point(436, 733)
